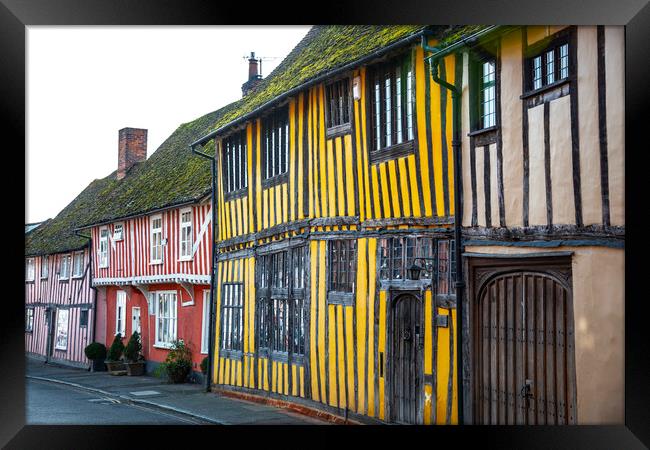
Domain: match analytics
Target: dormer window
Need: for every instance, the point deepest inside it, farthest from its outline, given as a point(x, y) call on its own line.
point(275, 144)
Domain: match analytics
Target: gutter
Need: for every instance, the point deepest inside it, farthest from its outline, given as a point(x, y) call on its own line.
point(211, 343)
point(456, 94)
point(377, 53)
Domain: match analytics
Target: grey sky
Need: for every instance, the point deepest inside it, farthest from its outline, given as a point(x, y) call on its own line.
point(85, 83)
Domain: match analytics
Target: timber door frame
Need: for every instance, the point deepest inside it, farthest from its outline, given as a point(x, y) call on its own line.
point(393, 296)
point(480, 269)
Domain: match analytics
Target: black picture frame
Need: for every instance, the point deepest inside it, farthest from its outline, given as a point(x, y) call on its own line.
point(15, 15)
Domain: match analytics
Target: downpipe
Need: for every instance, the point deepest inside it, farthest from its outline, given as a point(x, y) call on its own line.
point(211, 343)
point(460, 283)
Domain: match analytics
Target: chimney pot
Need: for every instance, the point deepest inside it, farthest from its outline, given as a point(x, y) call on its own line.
point(254, 76)
point(132, 149)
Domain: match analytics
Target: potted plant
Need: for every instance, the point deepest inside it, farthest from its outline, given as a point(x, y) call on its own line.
point(96, 352)
point(114, 357)
point(133, 356)
point(178, 363)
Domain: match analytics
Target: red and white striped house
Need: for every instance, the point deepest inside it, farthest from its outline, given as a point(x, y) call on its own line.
point(151, 234)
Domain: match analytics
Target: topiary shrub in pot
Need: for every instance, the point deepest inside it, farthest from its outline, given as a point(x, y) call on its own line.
point(133, 356)
point(96, 352)
point(178, 363)
point(114, 357)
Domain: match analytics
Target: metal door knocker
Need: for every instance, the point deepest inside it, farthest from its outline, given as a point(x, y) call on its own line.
point(406, 335)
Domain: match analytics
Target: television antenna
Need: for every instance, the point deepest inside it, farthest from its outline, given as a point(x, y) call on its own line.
point(260, 59)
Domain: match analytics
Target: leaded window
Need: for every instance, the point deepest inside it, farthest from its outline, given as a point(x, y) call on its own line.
point(342, 265)
point(338, 106)
point(232, 331)
point(487, 89)
point(234, 152)
point(281, 315)
point(275, 143)
point(391, 93)
point(549, 65)
point(29, 269)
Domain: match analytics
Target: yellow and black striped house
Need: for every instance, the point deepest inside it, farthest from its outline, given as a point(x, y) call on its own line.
point(343, 182)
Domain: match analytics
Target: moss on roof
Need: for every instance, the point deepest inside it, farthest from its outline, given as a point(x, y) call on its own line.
point(326, 48)
point(171, 176)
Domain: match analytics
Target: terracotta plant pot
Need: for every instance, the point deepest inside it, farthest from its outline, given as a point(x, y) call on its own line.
point(135, 368)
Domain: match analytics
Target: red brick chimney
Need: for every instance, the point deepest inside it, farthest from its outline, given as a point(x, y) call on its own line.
point(132, 148)
point(254, 76)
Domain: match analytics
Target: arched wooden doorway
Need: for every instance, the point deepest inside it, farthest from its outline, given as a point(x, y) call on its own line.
point(523, 349)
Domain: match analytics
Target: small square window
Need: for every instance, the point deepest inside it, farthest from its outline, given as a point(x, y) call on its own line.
point(83, 318)
point(338, 106)
point(118, 231)
point(548, 65)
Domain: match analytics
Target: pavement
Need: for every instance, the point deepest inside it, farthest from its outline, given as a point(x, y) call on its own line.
point(189, 400)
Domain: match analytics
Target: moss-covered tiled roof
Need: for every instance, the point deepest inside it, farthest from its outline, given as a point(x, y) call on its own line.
point(324, 49)
point(171, 176)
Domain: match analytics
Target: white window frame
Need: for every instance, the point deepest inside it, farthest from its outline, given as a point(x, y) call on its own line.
point(74, 265)
point(29, 319)
point(205, 323)
point(102, 252)
point(45, 264)
point(120, 313)
point(60, 328)
point(30, 269)
point(64, 264)
point(173, 318)
point(189, 240)
point(118, 236)
point(152, 233)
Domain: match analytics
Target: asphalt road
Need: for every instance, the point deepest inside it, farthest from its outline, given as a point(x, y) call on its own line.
point(55, 404)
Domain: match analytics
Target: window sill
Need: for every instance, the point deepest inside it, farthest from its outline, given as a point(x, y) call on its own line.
point(155, 263)
point(337, 131)
point(162, 346)
point(44, 278)
point(103, 267)
point(76, 277)
point(546, 88)
point(64, 280)
point(485, 136)
point(392, 152)
point(29, 331)
point(274, 181)
point(64, 349)
point(191, 303)
point(239, 193)
point(186, 259)
point(29, 281)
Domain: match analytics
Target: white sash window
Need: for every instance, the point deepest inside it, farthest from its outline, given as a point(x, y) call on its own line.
point(64, 270)
point(166, 317)
point(103, 248)
point(156, 239)
point(186, 234)
point(78, 265)
point(61, 341)
point(29, 269)
point(120, 313)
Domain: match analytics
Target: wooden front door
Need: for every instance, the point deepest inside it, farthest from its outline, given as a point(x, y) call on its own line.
point(524, 369)
point(406, 359)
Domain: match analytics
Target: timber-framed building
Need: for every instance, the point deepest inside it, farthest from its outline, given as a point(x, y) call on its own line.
point(374, 167)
